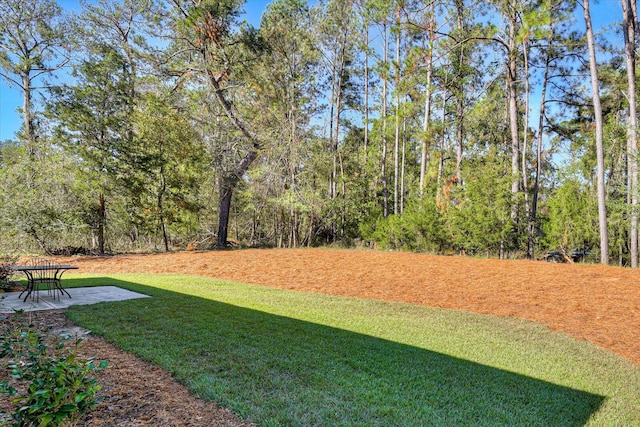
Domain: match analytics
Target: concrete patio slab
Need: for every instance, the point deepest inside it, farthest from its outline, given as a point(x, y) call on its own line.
point(9, 301)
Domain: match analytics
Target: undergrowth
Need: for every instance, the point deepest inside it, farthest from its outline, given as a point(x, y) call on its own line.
point(6, 264)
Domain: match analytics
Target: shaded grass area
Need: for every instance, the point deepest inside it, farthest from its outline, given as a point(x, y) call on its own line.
point(290, 358)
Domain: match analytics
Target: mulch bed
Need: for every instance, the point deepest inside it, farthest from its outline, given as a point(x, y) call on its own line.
point(135, 393)
point(592, 302)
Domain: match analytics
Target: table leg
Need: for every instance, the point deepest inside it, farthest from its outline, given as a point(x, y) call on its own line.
point(30, 285)
point(58, 284)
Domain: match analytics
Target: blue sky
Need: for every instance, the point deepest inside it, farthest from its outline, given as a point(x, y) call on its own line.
point(604, 12)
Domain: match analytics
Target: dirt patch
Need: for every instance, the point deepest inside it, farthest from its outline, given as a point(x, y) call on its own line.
point(597, 303)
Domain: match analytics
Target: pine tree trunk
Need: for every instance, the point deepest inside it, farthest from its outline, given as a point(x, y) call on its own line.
point(396, 144)
point(383, 172)
point(366, 103)
point(427, 103)
point(403, 163)
point(629, 31)
point(513, 115)
point(226, 193)
point(102, 220)
point(28, 116)
point(230, 181)
point(460, 95)
point(532, 226)
point(443, 139)
point(525, 140)
point(337, 158)
point(163, 224)
point(425, 127)
point(595, 92)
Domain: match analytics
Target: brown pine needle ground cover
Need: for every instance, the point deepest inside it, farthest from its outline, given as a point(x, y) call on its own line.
point(135, 393)
point(597, 303)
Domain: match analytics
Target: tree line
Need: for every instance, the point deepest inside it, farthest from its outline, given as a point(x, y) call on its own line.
point(497, 128)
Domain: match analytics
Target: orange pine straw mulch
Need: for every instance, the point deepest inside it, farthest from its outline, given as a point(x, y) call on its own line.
point(593, 302)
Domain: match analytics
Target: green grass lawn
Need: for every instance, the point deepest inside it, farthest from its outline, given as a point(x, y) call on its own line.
point(289, 358)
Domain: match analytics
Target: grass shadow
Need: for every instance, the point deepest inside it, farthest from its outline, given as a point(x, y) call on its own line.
point(277, 370)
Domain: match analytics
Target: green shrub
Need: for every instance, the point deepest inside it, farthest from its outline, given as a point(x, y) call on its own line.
point(49, 384)
point(6, 262)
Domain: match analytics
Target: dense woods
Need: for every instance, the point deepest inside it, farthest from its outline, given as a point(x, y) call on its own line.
point(497, 128)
